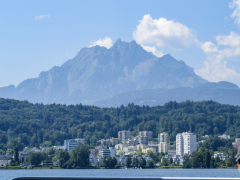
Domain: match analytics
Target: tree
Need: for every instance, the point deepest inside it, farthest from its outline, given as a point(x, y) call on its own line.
point(151, 163)
point(196, 160)
point(128, 161)
point(2, 152)
point(36, 158)
point(153, 155)
point(62, 156)
point(110, 162)
point(212, 163)
point(142, 162)
point(207, 158)
point(135, 162)
point(80, 155)
point(164, 162)
point(186, 161)
point(16, 159)
point(171, 161)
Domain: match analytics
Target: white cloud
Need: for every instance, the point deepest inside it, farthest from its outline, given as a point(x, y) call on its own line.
point(232, 40)
point(236, 13)
point(216, 65)
point(209, 47)
point(153, 50)
point(107, 42)
point(162, 32)
point(40, 17)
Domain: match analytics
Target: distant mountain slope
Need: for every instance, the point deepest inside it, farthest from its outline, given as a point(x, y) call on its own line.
point(97, 73)
point(222, 92)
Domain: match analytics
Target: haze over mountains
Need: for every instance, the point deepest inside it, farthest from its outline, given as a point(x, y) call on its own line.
point(123, 74)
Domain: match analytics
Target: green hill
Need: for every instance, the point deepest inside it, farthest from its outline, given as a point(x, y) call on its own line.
point(26, 124)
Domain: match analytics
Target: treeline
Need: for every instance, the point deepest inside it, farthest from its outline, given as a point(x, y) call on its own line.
point(24, 124)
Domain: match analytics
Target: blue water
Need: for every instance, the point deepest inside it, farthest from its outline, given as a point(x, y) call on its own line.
point(10, 174)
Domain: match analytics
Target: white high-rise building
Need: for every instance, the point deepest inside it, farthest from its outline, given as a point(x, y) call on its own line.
point(186, 143)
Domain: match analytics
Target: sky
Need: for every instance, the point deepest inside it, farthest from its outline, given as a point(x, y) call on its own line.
point(38, 35)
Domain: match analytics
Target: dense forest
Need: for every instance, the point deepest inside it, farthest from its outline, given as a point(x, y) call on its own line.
point(25, 124)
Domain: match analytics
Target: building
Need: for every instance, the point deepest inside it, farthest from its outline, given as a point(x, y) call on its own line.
point(163, 147)
point(172, 152)
point(70, 144)
point(112, 151)
point(148, 134)
point(164, 144)
point(236, 144)
point(220, 155)
point(105, 153)
point(124, 135)
point(163, 137)
point(224, 136)
point(155, 146)
point(185, 143)
point(142, 139)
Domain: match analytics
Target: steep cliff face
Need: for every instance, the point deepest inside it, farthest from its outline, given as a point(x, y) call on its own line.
point(97, 73)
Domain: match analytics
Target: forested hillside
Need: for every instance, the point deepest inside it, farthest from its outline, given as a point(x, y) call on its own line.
point(26, 124)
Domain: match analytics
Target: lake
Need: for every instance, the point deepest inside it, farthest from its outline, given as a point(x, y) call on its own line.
point(10, 174)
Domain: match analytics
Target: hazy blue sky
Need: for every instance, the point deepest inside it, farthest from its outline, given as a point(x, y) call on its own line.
point(37, 35)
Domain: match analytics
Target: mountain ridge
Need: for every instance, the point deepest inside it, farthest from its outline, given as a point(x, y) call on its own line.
point(97, 73)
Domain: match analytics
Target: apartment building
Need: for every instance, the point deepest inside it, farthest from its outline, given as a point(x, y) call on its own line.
point(70, 144)
point(148, 134)
point(164, 144)
point(124, 135)
point(186, 143)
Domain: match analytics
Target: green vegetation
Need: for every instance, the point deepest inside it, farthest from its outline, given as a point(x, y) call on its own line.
point(24, 124)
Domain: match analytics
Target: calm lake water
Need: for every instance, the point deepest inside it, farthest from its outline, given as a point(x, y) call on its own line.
point(10, 174)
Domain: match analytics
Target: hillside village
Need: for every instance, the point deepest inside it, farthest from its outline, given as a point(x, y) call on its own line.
point(125, 147)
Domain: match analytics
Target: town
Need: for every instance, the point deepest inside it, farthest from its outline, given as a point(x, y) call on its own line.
point(125, 150)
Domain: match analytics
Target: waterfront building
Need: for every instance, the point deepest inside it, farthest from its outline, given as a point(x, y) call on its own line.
point(70, 144)
point(185, 143)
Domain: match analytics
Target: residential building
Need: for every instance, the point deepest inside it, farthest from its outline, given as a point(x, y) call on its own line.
point(163, 147)
point(129, 149)
point(172, 152)
point(163, 137)
point(148, 149)
point(104, 153)
point(185, 143)
point(120, 146)
point(220, 155)
point(130, 142)
point(225, 136)
point(112, 151)
point(142, 139)
point(141, 147)
point(164, 144)
point(236, 144)
point(124, 135)
point(70, 144)
point(148, 134)
point(59, 147)
point(155, 146)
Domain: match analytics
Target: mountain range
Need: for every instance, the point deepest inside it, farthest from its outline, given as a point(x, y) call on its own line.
point(122, 74)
